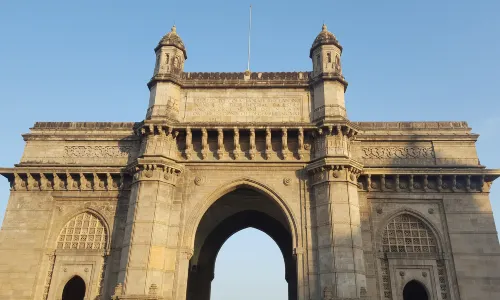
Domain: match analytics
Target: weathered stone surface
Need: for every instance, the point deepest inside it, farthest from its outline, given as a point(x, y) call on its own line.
point(358, 209)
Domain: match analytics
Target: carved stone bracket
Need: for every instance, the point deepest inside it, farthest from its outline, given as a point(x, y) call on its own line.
point(425, 183)
point(67, 181)
point(341, 170)
point(157, 172)
point(333, 140)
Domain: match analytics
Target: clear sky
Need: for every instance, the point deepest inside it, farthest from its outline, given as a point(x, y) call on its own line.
point(404, 60)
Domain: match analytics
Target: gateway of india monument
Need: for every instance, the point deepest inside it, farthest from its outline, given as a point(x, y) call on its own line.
point(359, 210)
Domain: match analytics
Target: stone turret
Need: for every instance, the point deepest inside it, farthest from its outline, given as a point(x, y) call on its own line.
point(328, 83)
point(170, 54)
point(164, 86)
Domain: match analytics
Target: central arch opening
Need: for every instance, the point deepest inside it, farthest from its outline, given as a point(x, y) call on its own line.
point(249, 266)
point(237, 210)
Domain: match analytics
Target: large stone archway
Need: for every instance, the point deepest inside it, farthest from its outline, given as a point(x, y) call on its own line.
point(221, 152)
point(237, 210)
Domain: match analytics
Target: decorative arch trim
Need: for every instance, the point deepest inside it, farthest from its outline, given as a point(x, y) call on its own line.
point(63, 222)
point(201, 208)
point(430, 226)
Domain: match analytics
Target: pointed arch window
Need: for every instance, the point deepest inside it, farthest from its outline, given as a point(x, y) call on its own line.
point(83, 232)
point(406, 233)
point(74, 289)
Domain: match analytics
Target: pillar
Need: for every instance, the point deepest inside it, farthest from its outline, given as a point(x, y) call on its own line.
point(150, 251)
point(335, 201)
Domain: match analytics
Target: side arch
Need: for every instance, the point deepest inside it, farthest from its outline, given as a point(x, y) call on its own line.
point(245, 182)
point(431, 226)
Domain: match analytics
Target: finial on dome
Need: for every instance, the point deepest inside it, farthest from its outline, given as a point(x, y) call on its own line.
point(173, 29)
point(325, 37)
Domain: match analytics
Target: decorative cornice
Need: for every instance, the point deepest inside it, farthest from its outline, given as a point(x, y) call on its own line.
point(69, 180)
point(440, 181)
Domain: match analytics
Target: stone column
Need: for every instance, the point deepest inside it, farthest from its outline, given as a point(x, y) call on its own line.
point(204, 143)
point(340, 249)
point(146, 259)
point(150, 249)
point(269, 145)
point(182, 274)
point(251, 150)
point(284, 142)
point(236, 143)
point(341, 265)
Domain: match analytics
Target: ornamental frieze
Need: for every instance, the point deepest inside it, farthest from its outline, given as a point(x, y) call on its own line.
point(98, 151)
point(397, 152)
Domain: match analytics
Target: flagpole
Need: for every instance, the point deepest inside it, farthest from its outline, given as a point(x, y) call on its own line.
point(249, 32)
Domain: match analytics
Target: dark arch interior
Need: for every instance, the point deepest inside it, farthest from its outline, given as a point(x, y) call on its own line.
point(414, 290)
point(74, 289)
point(236, 211)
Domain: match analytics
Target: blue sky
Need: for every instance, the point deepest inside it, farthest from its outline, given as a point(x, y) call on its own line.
point(404, 60)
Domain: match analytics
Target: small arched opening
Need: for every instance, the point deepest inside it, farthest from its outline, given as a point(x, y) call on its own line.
point(415, 290)
point(74, 289)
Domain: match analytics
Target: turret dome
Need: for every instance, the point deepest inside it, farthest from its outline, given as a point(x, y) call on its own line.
point(172, 39)
point(325, 37)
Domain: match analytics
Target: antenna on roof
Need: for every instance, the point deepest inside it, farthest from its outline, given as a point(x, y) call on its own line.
point(249, 32)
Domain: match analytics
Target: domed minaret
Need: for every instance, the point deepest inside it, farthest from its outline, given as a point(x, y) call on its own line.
point(164, 88)
point(329, 84)
point(342, 269)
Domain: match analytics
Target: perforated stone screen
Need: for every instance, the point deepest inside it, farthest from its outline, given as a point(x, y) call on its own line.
point(406, 233)
point(85, 231)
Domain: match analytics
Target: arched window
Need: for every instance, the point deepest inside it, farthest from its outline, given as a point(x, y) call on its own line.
point(406, 233)
point(74, 289)
point(85, 231)
point(414, 290)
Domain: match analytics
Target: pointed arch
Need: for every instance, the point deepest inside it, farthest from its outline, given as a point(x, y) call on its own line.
point(244, 182)
point(85, 230)
point(413, 217)
point(415, 290)
point(74, 289)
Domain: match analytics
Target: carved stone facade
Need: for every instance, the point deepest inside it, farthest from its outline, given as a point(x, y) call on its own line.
point(359, 209)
